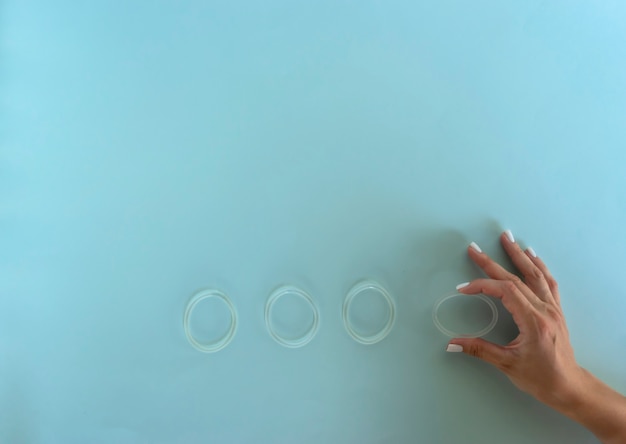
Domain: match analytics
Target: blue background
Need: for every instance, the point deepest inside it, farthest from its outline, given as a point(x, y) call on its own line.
point(150, 149)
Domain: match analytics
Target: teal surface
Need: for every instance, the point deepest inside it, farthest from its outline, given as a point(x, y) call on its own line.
point(151, 149)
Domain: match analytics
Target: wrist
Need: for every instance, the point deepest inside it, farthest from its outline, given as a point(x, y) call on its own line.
point(571, 393)
point(593, 404)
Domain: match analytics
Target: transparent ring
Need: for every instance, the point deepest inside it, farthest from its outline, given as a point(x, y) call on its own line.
point(477, 334)
point(354, 292)
point(309, 334)
point(224, 340)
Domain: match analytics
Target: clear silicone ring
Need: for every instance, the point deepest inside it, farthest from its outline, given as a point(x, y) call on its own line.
point(224, 340)
point(309, 334)
point(477, 334)
point(354, 292)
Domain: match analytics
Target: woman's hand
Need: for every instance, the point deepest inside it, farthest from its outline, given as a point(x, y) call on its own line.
point(540, 361)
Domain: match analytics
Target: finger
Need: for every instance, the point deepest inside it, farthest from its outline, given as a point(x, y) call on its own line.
point(533, 276)
point(552, 283)
point(488, 265)
point(479, 348)
point(507, 291)
point(498, 272)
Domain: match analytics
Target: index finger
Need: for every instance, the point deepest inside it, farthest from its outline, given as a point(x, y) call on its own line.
point(498, 272)
point(512, 298)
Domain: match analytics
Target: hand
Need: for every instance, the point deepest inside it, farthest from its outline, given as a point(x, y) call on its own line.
point(540, 361)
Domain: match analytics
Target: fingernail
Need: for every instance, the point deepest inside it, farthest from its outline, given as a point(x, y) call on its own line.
point(509, 236)
point(463, 285)
point(475, 246)
point(454, 348)
point(531, 251)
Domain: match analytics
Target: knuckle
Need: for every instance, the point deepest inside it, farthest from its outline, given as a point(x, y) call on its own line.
point(516, 280)
point(536, 273)
point(548, 324)
point(475, 350)
point(544, 328)
point(510, 286)
point(553, 284)
point(506, 365)
point(554, 313)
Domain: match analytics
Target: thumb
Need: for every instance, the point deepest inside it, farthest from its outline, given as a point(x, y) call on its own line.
point(479, 348)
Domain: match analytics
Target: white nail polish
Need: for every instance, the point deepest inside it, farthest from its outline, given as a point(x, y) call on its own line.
point(463, 285)
point(454, 348)
point(475, 246)
point(531, 251)
point(509, 235)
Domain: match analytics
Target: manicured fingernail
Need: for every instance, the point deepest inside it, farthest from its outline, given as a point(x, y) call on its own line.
point(509, 236)
point(463, 285)
point(475, 246)
point(454, 348)
point(531, 251)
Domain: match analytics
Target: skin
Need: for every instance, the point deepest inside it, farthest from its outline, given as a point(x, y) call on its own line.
point(540, 361)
